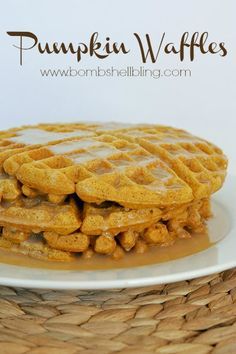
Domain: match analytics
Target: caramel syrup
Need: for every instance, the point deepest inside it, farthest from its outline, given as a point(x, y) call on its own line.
point(156, 254)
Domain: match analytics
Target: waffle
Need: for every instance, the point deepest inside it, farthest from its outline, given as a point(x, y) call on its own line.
point(199, 163)
point(40, 216)
point(69, 189)
point(15, 141)
point(98, 170)
point(114, 219)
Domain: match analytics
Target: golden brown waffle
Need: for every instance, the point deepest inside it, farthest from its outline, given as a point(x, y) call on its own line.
point(35, 215)
point(36, 249)
point(15, 141)
point(103, 188)
point(199, 163)
point(114, 219)
point(50, 240)
point(100, 169)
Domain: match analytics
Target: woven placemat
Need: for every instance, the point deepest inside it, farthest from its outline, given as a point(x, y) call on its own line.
point(196, 316)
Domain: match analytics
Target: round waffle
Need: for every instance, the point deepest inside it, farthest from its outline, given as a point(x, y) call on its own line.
point(105, 188)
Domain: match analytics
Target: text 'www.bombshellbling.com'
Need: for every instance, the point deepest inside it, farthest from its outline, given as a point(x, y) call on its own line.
point(127, 72)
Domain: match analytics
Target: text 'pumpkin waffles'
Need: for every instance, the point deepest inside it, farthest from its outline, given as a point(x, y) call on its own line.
point(107, 188)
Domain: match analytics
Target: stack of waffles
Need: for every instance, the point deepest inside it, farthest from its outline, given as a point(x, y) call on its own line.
point(79, 189)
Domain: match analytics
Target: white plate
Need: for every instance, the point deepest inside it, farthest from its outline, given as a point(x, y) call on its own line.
point(219, 257)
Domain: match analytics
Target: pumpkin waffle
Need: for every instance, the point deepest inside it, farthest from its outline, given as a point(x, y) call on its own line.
point(16, 141)
point(113, 219)
point(42, 232)
point(36, 215)
point(199, 163)
point(100, 169)
point(69, 189)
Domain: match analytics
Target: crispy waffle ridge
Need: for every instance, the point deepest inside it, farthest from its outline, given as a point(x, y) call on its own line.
point(105, 188)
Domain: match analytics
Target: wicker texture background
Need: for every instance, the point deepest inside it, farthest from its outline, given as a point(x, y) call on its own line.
point(196, 317)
